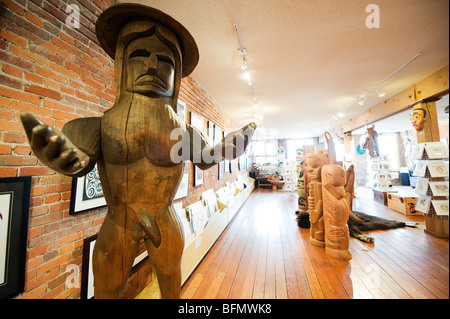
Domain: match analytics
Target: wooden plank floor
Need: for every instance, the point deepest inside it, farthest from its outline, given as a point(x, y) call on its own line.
point(264, 254)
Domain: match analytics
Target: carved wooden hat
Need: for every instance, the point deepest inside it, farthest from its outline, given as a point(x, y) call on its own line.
point(111, 21)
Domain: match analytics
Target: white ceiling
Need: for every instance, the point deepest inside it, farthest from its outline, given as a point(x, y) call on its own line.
point(310, 59)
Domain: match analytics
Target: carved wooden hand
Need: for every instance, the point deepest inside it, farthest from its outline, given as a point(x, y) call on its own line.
point(52, 147)
point(234, 144)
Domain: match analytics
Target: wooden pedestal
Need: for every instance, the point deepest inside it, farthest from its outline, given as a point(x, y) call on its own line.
point(436, 226)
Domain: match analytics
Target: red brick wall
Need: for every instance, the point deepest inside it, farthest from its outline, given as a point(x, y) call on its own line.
point(199, 102)
point(58, 74)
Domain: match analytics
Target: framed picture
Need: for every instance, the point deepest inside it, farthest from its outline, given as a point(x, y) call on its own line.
point(183, 187)
point(232, 165)
point(187, 227)
point(437, 168)
point(376, 166)
point(221, 170)
point(87, 275)
point(440, 188)
point(436, 150)
point(14, 212)
point(199, 176)
point(181, 110)
point(423, 204)
point(441, 207)
point(420, 168)
point(217, 134)
point(241, 162)
point(227, 166)
point(384, 184)
point(383, 176)
point(422, 186)
point(211, 132)
point(87, 193)
point(199, 215)
point(197, 121)
point(418, 151)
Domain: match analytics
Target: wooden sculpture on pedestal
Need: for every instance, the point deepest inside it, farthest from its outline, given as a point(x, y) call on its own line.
point(134, 148)
point(371, 142)
point(350, 185)
point(315, 201)
point(336, 211)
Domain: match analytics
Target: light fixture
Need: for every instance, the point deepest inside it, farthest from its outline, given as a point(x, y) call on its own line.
point(341, 115)
point(247, 76)
point(245, 68)
point(362, 100)
point(380, 93)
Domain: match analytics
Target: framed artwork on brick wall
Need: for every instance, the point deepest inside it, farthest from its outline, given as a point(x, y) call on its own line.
point(181, 110)
point(197, 121)
point(87, 275)
point(183, 187)
point(87, 193)
point(211, 132)
point(217, 134)
point(199, 176)
point(221, 169)
point(232, 165)
point(14, 212)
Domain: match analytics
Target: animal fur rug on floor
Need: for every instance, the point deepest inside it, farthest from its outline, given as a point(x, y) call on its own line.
point(360, 222)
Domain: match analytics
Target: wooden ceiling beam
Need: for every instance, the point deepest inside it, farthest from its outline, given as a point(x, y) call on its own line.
point(430, 88)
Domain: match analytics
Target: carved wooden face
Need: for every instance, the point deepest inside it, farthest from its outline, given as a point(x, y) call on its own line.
point(334, 175)
point(150, 67)
point(418, 120)
point(314, 166)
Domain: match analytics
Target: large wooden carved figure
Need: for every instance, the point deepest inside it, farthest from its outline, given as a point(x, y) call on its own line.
point(134, 146)
point(336, 211)
point(315, 199)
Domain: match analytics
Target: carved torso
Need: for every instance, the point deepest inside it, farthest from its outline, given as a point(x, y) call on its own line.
point(136, 129)
point(135, 138)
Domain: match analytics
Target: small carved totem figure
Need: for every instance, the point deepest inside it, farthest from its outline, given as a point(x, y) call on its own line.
point(315, 202)
point(350, 185)
point(138, 159)
point(336, 211)
point(418, 118)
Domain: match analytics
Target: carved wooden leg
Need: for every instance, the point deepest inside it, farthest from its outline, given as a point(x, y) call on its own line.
point(113, 257)
point(166, 259)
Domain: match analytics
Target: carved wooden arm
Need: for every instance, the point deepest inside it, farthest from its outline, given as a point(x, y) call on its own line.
point(54, 149)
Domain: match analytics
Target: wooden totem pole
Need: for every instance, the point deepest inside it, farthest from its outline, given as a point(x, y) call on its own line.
point(315, 200)
point(336, 211)
point(133, 145)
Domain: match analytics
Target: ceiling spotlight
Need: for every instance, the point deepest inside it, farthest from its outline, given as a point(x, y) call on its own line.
point(380, 93)
point(341, 115)
point(256, 106)
point(247, 76)
point(362, 100)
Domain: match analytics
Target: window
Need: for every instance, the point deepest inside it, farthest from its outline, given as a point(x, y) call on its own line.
point(388, 145)
point(265, 151)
